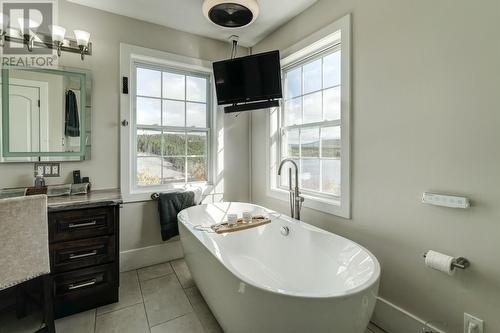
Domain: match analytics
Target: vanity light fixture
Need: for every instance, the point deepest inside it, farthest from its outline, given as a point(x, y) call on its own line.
point(58, 33)
point(25, 32)
point(82, 39)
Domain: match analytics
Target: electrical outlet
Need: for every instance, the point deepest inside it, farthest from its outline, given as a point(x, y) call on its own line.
point(473, 324)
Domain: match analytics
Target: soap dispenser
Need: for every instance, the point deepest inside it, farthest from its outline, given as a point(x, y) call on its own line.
point(39, 180)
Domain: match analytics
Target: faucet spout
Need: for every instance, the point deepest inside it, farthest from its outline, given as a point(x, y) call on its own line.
point(295, 198)
point(289, 160)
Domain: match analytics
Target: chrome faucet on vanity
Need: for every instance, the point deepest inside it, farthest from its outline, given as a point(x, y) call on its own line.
point(295, 199)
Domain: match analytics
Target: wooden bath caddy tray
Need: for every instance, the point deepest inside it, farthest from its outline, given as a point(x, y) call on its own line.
point(223, 228)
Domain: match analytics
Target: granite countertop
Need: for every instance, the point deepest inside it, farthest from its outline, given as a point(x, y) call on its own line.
point(97, 198)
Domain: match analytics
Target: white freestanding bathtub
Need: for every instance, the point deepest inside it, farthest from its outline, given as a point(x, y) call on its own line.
point(259, 280)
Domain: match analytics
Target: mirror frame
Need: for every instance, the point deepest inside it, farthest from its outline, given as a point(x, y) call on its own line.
point(85, 116)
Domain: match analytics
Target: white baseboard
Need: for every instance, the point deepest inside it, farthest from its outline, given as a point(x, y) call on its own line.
point(394, 319)
point(151, 255)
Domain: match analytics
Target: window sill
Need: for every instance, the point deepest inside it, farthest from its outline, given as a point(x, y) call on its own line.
point(329, 206)
point(144, 194)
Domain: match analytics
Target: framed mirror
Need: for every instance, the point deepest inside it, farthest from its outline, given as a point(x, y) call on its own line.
point(46, 114)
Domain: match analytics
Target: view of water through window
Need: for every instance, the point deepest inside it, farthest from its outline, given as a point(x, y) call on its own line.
point(172, 125)
point(311, 121)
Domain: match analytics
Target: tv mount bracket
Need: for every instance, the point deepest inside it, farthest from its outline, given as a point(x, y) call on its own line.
point(234, 41)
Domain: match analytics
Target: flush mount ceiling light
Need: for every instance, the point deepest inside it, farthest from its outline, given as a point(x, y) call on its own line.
point(231, 13)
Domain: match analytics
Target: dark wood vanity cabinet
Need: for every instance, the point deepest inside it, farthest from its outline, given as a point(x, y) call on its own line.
point(84, 258)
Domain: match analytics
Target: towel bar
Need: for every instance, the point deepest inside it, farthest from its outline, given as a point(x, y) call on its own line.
point(156, 195)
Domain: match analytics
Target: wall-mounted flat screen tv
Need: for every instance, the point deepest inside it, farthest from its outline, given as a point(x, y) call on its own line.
point(248, 79)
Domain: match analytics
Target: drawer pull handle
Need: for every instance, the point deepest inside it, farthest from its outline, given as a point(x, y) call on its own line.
point(81, 225)
point(82, 284)
point(83, 255)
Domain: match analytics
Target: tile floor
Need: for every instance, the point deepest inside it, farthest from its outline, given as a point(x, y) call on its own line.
point(156, 299)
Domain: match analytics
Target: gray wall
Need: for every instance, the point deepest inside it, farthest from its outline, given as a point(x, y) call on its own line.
point(139, 220)
point(425, 116)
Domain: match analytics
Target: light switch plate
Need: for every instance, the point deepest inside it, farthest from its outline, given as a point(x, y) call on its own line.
point(48, 169)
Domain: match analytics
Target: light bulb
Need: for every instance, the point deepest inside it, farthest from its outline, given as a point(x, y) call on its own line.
point(58, 33)
point(82, 37)
point(4, 19)
point(29, 23)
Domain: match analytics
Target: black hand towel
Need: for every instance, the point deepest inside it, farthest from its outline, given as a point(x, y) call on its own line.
point(72, 123)
point(169, 205)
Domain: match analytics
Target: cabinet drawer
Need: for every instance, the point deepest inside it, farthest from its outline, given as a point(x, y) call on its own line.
point(82, 223)
point(65, 256)
point(85, 281)
point(85, 289)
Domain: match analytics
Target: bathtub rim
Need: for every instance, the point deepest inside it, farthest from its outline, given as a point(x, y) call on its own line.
point(370, 283)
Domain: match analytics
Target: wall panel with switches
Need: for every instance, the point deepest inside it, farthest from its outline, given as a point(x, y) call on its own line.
point(48, 169)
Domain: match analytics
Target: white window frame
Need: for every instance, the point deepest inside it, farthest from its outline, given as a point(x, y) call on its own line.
point(130, 57)
point(337, 33)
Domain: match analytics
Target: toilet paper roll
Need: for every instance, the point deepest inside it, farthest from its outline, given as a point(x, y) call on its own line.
point(440, 262)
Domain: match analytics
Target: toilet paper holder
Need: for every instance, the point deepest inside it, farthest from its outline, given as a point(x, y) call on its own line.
point(459, 262)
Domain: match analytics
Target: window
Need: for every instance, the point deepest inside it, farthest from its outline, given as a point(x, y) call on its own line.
point(312, 125)
point(167, 123)
point(172, 126)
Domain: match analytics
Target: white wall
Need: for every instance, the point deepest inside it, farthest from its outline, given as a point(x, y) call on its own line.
point(139, 222)
point(426, 83)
